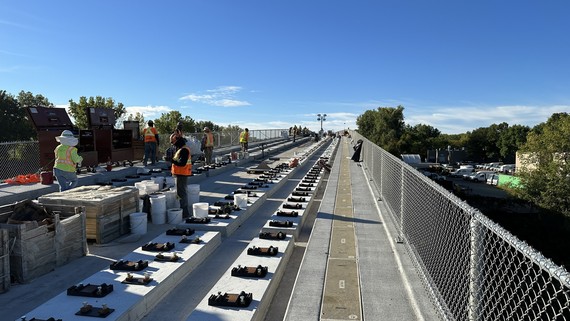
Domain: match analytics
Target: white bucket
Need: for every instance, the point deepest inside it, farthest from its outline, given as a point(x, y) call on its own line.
point(240, 200)
point(159, 180)
point(193, 194)
point(158, 208)
point(138, 223)
point(174, 215)
point(169, 181)
point(151, 187)
point(200, 209)
point(171, 201)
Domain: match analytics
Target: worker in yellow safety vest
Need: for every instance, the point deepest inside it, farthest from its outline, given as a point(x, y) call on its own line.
point(150, 135)
point(181, 169)
point(207, 145)
point(243, 140)
point(66, 161)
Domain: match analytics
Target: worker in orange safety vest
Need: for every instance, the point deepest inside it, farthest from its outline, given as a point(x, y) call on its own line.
point(150, 135)
point(181, 169)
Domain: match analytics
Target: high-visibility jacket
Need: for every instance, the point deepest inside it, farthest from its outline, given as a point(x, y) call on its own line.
point(66, 158)
point(150, 135)
point(209, 140)
point(244, 137)
point(185, 170)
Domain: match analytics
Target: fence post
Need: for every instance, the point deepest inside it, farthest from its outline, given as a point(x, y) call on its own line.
point(474, 307)
point(400, 237)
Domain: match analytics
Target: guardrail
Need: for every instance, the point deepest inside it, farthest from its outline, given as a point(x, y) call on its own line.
point(23, 157)
point(473, 268)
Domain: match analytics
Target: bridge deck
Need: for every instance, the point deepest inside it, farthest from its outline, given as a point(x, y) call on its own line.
point(344, 265)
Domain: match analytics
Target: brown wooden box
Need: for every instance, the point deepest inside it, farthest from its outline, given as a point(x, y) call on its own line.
point(107, 208)
point(38, 249)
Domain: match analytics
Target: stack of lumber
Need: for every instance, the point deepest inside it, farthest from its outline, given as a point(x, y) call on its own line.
point(107, 208)
point(36, 248)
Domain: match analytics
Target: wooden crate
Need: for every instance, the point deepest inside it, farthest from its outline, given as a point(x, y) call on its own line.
point(38, 249)
point(4, 262)
point(107, 208)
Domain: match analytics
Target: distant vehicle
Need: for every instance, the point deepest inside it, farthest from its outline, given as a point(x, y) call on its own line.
point(466, 166)
point(493, 179)
point(436, 177)
point(507, 168)
point(480, 176)
point(460, 172)
point(490, 166)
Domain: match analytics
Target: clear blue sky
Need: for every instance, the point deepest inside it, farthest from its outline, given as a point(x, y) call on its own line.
point(456, 65)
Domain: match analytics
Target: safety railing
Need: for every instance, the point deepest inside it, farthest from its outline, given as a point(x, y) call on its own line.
point(20, 158)
point(472, 268)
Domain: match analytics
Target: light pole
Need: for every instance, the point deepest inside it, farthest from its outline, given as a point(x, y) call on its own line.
point(322, 118)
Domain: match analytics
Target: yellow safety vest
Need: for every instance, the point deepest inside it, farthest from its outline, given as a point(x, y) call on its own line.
point(63, 158)
point(209, 140)
point(244, 137)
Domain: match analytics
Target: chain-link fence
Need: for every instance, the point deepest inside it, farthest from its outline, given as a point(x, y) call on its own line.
point(20, 158)
point(473, 268)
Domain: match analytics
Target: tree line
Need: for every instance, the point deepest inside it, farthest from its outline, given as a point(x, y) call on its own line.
point(544, 150)
point(386, 128)
point(18, 127)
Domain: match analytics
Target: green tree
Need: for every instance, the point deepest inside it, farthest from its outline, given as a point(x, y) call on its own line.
point(27, 99)
point(419, 139)
point(79, 110)
point(545, 170)
point(511, 140)
point(167, 122)
point(206, 123)
point(384, 127)
point(13, 120)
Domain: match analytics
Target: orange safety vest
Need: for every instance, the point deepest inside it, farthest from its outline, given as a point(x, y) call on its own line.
point(149, 135)
point(209, 140)
point(185, 170)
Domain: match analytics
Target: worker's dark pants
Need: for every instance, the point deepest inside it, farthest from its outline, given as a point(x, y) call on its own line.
point(149, 153)
point(182, 193)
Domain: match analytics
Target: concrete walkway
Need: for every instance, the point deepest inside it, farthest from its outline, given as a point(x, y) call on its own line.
point(352, 269)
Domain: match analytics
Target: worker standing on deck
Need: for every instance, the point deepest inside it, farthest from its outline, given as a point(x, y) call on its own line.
point(207, 145)
point(66, 160)
point(181, 169)
point(244, 139)
point(150, 135)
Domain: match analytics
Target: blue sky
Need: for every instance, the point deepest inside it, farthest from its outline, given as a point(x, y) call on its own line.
point(455, 65)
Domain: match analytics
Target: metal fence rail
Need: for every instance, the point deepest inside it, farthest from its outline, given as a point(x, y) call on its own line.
point(473, 268)
point(19, 158)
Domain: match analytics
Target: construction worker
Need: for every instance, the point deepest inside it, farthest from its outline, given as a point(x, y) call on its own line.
point(207, 145)
point(243, 139)
point(66, 160)
point(150, 135)
point(181, 169)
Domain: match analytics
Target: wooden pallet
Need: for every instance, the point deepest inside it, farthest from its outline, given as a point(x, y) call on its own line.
point(38, 249)
point(107, 208)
